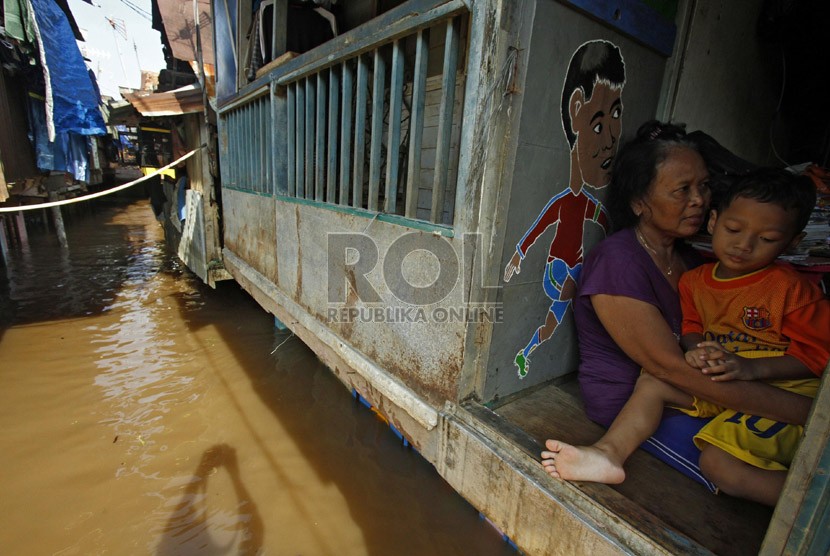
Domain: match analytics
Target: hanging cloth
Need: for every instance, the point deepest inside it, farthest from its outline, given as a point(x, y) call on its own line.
point(71, 101)
point(18, 23)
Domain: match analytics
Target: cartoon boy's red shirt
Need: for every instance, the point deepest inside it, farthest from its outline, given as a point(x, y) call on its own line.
point(570, 210)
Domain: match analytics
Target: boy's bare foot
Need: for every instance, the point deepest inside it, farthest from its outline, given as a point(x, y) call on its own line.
point(580, 463)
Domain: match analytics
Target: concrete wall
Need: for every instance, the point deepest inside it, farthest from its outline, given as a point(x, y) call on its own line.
point(726, 81)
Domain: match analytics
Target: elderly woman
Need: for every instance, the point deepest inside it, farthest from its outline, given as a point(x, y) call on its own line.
point(627, 308)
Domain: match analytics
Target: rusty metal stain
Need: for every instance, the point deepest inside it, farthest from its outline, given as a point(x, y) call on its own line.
point(435, 387)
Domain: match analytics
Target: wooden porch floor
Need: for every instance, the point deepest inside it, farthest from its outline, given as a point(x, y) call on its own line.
point(719, 523)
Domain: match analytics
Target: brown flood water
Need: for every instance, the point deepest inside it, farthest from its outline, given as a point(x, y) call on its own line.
point(142, 412)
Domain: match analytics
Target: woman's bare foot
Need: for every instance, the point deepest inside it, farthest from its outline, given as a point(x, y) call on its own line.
point(580, 463)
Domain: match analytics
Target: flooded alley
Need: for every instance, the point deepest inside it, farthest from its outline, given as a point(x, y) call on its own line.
point(144, 413)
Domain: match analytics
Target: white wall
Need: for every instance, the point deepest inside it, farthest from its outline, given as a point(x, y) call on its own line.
point(726, 81)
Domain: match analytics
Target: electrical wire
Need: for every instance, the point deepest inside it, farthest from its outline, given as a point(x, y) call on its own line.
point(138, 9)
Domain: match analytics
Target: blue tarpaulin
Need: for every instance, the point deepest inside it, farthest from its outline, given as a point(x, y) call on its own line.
point(67, 153)
point(74, 98)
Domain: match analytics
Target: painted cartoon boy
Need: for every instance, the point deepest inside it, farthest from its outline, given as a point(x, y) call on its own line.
point(591, 119)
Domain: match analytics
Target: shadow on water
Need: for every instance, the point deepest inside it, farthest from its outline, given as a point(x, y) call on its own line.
point(188, 525)
point(396, 498)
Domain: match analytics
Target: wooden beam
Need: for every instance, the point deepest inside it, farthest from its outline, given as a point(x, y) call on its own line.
point(346, 133)
point(393, 143)
point(361, 97)
point(378, 97)
point(416, 122)
point(442, 150)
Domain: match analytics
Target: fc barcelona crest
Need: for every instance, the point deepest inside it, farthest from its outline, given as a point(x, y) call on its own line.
point(756, 318)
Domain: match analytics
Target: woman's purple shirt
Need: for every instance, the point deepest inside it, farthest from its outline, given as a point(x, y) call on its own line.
point(618, 266)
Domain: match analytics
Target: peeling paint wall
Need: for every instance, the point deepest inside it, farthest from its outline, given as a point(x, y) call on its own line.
point(250, 230)
point(424, 354)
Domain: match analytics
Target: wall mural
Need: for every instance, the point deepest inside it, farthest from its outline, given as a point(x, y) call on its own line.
point(592, 121)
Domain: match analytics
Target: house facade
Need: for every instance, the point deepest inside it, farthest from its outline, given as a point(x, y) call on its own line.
point(388, 172)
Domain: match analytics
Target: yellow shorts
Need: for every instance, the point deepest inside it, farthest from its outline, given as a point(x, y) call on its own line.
point(755, 440)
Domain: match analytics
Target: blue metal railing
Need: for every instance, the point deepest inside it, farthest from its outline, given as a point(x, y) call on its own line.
point(358, 122)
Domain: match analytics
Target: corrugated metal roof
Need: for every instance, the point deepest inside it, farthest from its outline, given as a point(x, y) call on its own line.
point(185, 100)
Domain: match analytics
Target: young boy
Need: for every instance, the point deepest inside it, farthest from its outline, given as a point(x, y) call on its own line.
point(745, 317)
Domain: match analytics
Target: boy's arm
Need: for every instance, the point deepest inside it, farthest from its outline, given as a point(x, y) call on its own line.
point(690, 341)
point(691, 326)
point(643, 334)
point(723, 365)
point(808, 329)
point(692, 353)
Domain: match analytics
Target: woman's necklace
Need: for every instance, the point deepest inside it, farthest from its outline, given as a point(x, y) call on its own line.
point(642, 240)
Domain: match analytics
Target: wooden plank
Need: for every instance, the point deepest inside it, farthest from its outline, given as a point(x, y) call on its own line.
point(396, 23)
point(290, 141)
point(346, 133)
point(236, 149)
point(256, 144)
point(277, 62)
point(799, 524)
point(722, 524)
point(416, 123)
point(270, 158)
point(396, 219)
point(280, 139)
point(361, 97)
point(234, 138)
point(605, 515)
point(245, 130)
point(439, 184)
point(300, 140)
point(227, 138)
point(240, 127)
point(309, 137)
point(279, 31)
point(253, 145)
point(320, 136)
point(248, 131)
point(263, 118)
point(224, 169)
point(378, 90)
point(231, 35)
point(259, 146)
point(240, 161)
point(394, 133)
point(334, 122)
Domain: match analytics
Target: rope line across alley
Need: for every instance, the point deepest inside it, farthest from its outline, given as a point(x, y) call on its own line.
point(101, 193)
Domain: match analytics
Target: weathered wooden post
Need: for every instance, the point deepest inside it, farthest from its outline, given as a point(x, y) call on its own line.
point(4, 242)
point(22, 234)
point(57, 218)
